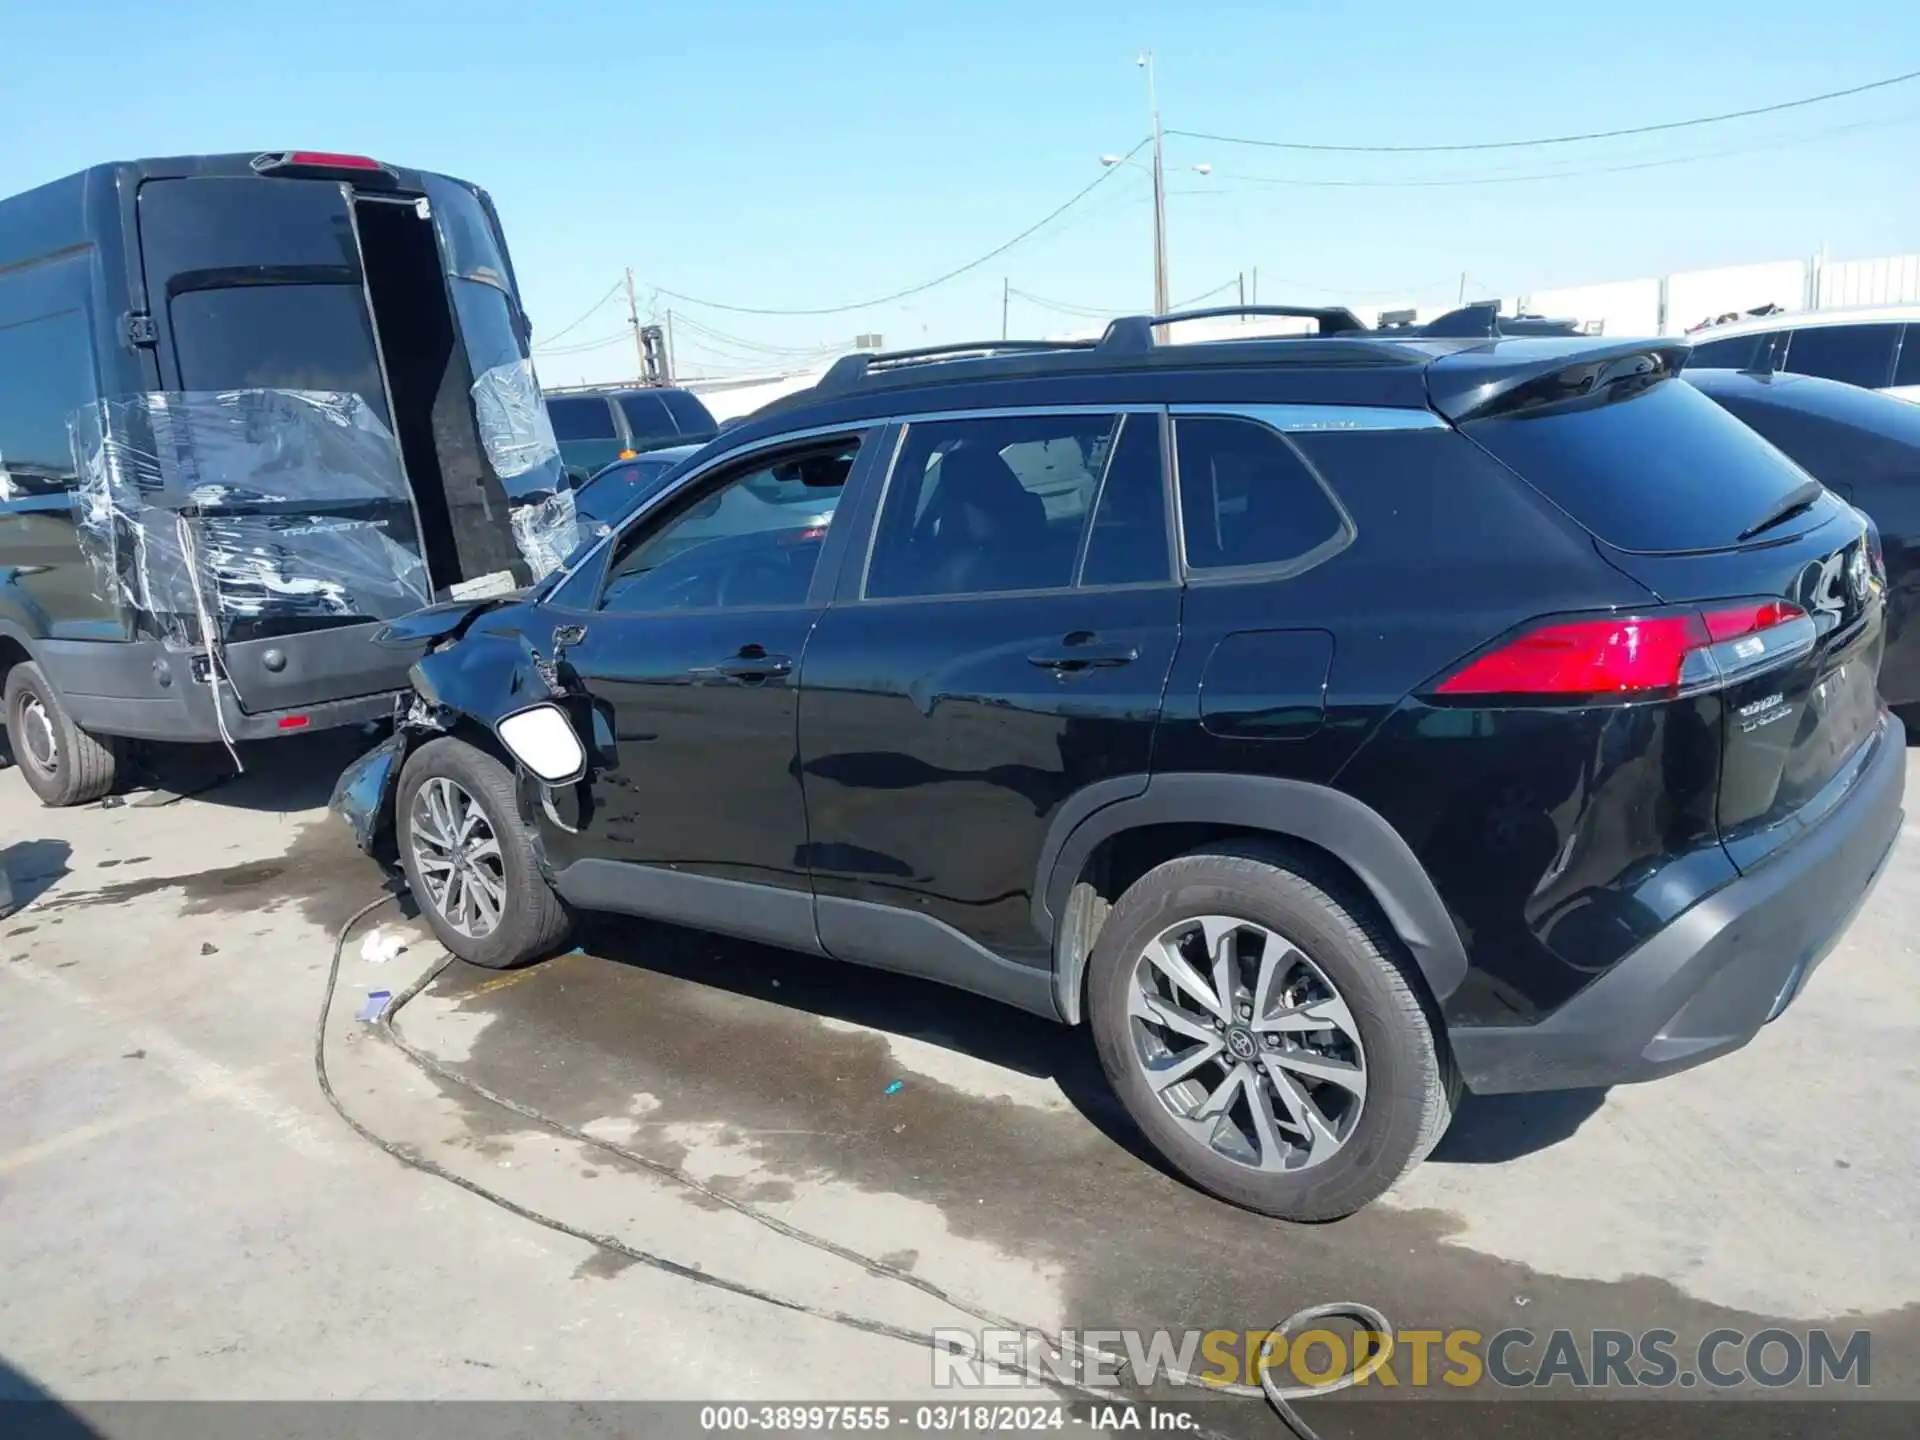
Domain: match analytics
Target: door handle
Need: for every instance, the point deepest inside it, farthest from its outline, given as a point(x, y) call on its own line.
point(755, 666)
point(1084, 651)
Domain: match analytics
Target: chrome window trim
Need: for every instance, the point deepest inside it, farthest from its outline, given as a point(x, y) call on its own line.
point(1335, 419)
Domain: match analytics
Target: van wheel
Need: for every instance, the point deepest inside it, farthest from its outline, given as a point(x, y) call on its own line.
point(62, 763)
point(1261, 1025)
point(469, 859)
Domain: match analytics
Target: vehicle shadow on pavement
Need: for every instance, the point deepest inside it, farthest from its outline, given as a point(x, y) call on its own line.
point(296, 773)
point(1492, 1129)
point(32, 1412)
point(1487, 1129)
point(28, 869)
point(904, 1005)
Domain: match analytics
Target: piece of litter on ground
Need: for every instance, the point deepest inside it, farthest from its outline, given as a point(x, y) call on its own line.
point(207, 947)
point(895, 1088)
point(376, 1002)
point(380, 946)
point(776, 984)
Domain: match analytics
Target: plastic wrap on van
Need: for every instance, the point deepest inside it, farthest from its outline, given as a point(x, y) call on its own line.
point(518, 438)
point(244, 504)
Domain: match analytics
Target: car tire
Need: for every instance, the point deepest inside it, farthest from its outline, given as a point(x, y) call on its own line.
point(60, 762)
point(531, 920)
point(1316, 912)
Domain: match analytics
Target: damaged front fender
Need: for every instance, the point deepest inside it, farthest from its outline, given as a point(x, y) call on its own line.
point(363, 795)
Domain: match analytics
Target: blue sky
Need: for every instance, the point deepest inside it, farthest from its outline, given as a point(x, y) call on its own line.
point(793, 155)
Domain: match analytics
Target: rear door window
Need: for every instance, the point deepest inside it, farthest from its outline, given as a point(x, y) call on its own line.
point(693, 418)
point(1856, 354)
point(989, 506)
point(1654, 467)
point(236, 339)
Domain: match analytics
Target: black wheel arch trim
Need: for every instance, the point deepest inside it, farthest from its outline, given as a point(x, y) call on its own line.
point(1346, 828)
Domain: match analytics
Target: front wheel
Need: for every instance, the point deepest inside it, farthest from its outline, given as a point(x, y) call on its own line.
point(1262, 1027)
point(469, 859)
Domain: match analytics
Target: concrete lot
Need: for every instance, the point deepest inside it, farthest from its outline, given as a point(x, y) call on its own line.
point(184, 1216)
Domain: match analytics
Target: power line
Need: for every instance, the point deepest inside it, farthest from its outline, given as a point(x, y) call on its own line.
point(952, 274)
point(1206, 294)
point(1556, 139)
point(1067, 307)
point(1451, 182)
point(591, 312)
point(581, 347)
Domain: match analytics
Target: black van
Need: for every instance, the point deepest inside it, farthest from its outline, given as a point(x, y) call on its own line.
point(251, 406)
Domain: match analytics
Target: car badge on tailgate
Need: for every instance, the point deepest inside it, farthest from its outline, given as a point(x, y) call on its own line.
point(1825, 601)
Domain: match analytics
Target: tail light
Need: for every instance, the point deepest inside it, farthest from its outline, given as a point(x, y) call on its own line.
point(1640, 657)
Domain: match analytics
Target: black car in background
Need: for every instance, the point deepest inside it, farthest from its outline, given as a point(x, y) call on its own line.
point(597, 427)
point(1865, 447)
point(1326, 721)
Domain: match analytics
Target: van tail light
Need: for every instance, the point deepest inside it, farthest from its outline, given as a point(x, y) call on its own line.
point(1640, 657)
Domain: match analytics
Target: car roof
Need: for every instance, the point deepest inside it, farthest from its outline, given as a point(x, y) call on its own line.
point(1813, 395)
point(1452, 371)
point(1803, 319)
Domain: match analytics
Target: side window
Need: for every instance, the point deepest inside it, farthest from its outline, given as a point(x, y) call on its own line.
point(1247, 498)
point(1907, 371)
point(989, 505)
point(752, 541)
point(1127, 543)
point(583, 417)
point(1857, 354)
point(692, 417)
point(46, 373)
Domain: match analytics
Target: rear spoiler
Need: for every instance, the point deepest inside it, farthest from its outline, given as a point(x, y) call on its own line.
point(1470, 384)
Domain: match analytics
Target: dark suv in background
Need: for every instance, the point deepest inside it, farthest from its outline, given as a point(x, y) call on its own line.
point(595, 428)
point(1327, 721)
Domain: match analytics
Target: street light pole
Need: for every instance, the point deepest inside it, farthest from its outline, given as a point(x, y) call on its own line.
point(1160, 304)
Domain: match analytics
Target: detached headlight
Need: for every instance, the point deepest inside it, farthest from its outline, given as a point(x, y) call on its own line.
point(544, 740)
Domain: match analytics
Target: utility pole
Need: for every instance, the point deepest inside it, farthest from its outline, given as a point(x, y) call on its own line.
point(1006, 292)
point(1243, 295)
point(671, 371)
point(1463, 288)
point(1256, 285)
point(633, 319)
point(1160, 305)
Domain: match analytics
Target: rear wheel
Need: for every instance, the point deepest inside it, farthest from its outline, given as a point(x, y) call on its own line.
point(469, 859)
point(61, 763)
point(1262, 1027)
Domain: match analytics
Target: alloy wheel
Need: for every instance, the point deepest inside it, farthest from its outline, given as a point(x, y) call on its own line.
point(457, 857)
point(1247, 1043)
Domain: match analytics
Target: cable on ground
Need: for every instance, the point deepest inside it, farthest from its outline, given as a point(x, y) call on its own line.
point(1280, 1397)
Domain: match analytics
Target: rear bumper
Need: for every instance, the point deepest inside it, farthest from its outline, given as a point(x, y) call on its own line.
point(143, 690)
point(1707, 983)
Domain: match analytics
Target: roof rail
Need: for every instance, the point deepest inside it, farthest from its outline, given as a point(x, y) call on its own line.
point(1135, 332)
point(849, 370)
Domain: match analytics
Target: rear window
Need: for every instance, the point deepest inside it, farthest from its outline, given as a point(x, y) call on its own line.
point(585, 418)
point(648, 418)
point(689, 414)
point(1655, 469)
point(277, 337)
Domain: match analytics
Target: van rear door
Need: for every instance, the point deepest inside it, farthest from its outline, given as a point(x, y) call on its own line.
point(256, 284)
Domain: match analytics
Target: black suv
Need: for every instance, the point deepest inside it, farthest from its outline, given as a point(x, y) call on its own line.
point(1326, 721)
